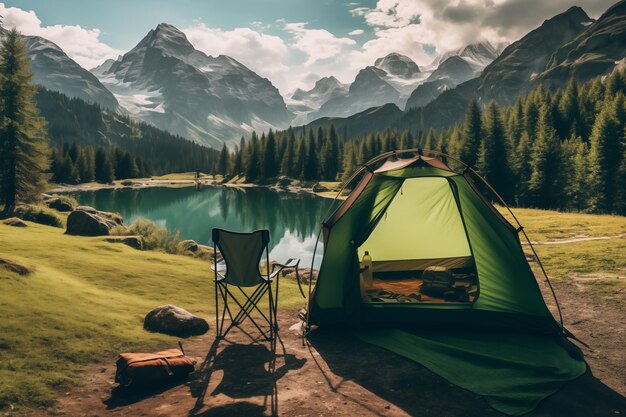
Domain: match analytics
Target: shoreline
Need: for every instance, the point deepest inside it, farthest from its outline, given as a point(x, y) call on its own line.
point(182, 183)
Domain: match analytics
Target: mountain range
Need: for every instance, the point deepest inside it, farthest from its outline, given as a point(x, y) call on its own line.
point(210, 100)
point(569, 45)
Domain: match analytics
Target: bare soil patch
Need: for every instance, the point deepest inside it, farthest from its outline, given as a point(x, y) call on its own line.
point(335, 374)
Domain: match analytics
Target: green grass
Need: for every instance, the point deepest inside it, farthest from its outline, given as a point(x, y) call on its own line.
point(84, 302)
point(603, 261)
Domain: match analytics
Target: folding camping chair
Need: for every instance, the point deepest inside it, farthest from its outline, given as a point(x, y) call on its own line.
point(237, 258)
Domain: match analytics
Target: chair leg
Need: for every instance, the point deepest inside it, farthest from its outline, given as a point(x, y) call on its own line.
point(217, 313)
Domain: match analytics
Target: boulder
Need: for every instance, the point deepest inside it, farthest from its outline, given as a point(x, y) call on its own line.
point(135, 242)
point(189, 245)
point(60, 204)
point(14, 221)
point(87, 221)
point(175, 321)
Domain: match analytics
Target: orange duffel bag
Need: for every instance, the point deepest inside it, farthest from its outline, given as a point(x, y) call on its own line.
point(143, 369)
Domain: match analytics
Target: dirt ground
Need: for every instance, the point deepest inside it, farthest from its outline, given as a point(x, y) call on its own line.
point(334, 374)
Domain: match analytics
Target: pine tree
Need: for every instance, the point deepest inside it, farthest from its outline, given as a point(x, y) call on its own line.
point(286, 164)
point(298, 165)
point(349, 161)
point(270, 166)
point(222, 164)
point(522, 170)
point(24, 149)
point(545, 183)
point(574, 169)
point(104, 167)
point(310, 169)
point(492, 162)
point(605, 154)
point(252, 167)
point(471, 134)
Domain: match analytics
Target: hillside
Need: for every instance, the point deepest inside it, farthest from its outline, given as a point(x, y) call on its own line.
point(72, 120)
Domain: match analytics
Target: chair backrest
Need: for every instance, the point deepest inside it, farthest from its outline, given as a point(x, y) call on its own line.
point(242, 253)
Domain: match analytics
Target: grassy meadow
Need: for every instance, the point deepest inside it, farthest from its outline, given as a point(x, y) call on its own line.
point(86, 299)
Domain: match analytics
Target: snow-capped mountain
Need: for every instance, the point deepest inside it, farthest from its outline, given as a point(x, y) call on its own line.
point(53, 69)
point(369, 89)
point(479, 54)
point(302, 103)
point(391, 79)
point(164, 80)
point(453, 68)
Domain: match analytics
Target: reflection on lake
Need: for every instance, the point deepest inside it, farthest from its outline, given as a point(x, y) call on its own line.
point(292, 219)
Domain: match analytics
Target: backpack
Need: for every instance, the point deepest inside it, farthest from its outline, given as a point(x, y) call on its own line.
point(149, 369)
point(437, 280)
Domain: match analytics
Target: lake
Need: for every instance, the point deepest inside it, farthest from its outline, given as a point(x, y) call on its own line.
point(293, 219)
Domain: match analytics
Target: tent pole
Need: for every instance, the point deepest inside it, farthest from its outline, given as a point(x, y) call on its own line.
point(521, 228)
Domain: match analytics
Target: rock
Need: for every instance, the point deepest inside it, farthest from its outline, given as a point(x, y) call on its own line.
point(87, 221)
point(305, 275)
point(189, 245)
point(60, 204)
point(88, 209)
point(318, 188)
point(132, 241)
point(14, 267)
point(14, 221)
point(283, 182)
point(175, 321)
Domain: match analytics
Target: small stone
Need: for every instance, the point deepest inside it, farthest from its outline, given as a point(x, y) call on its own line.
point(15, 222)
point(189, 245)
point(135, 242)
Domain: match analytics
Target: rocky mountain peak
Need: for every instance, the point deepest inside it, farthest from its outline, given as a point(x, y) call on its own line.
point(398, 65)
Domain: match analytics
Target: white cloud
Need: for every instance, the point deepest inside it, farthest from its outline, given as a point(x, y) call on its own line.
point(317, 44)
point(262, 53)
point(390, 13)
point(80, 44)
point(356, 32)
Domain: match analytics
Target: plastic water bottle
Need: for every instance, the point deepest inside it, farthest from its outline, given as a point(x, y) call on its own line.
point(367, 271)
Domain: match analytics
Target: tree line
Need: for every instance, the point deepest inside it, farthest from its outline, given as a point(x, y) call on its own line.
point(562, 149)
point(72, 121)
point(72, 164)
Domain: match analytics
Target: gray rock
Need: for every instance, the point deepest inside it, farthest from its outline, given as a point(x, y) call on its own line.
point(87, 221)
point(175, 321)
point(14, 221)
point(189, 245)
point(135, 242)
point(59, 204)
point(305, 275)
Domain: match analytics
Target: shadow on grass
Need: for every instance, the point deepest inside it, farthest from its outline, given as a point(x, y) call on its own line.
point(418, 391)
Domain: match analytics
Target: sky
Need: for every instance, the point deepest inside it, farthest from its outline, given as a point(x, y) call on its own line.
point(293, 43)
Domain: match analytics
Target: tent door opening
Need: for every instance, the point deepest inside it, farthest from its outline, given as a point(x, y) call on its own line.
point(418, 252)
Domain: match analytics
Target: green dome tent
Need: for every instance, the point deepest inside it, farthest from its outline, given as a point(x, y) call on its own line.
point(424, 214)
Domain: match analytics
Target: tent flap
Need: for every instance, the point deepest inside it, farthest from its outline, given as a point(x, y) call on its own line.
point(513, 372)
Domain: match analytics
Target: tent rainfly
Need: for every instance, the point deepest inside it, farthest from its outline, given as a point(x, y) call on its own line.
point(413, 213)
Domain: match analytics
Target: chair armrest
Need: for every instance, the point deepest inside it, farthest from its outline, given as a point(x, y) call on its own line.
point(291, 263)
